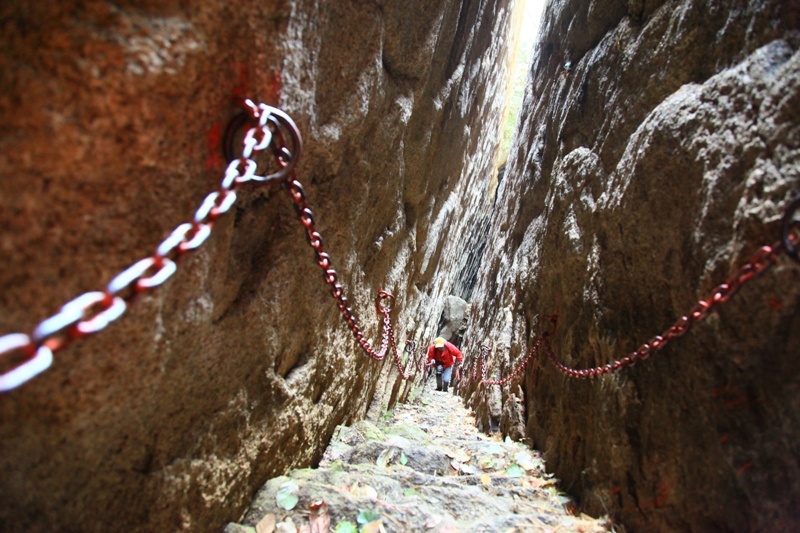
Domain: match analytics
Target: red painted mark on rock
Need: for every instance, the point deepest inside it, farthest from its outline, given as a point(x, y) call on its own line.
point(268, 89)
point(242, 88)
point(274, 88)
point(662, 495)
point(730, 397)
point(213, 148)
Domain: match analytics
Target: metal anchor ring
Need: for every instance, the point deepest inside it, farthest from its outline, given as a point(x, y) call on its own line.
point(229, 136)
point(383, 295)
point(280, 124)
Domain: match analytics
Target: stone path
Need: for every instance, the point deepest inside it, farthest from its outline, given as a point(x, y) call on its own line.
point(424, 468)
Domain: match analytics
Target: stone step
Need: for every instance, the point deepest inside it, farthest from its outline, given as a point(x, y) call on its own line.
point(425, 467)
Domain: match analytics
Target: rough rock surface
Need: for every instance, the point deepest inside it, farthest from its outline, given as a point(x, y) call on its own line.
point(240, 366)
point(658, 149)
point(426, 468)
point(454, 319)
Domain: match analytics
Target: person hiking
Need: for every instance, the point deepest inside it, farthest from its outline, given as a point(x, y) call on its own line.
point(444, 355)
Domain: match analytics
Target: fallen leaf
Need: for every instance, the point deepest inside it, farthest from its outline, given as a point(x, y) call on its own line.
point(287, 498)
point(495, 449)
point(433, 522)
point(373, 527)
point(363, 491)
point(385, 457)
point(410, 492)
point(319, 519)
point(266, 524)
point(469, 469)
point(461, 456)
point(486, 479)
point(403, 459)
point(287, 526)
point(456, 465)
point(564, 500)
point(538, 483)
point(366, 516)
point(346, 527)
point(515, 471)
point(525, 461)
point(486, 463)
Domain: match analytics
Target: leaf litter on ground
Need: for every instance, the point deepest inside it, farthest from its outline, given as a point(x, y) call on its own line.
point(425, 467)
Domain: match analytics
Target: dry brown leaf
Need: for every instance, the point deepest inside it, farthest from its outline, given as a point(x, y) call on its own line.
point(319, 519)
point(266, 524)
point(363, 491)
point(539, 483)
point(373, 527)
point(462, 456)
point(525, 461)
point(433, 522)
point(287, 526)
point(469, 469)
point(386, 456)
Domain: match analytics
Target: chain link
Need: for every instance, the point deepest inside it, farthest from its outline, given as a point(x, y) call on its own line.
point(306, 217)
point(25, 356)
point(485, 350)
point(90, 313)
point(761, 261)
point(516, 371)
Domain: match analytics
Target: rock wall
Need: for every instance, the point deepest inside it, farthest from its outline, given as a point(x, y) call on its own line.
point(658, 149)
point(240, 367)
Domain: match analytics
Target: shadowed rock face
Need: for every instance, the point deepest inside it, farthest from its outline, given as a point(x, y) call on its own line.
point(240, 366)
point(657, 151)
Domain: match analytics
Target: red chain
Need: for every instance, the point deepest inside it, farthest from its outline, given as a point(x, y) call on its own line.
point(764, 259)
point(306, 217)
point(405, 373)
point(24, 356)
point(473, 375)
point(534, 349)
point(516, 371)
point(759, 263)
point(28, 355)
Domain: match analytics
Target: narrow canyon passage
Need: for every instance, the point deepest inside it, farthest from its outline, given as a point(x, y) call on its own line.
point(177, 329)
point(421, 467)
